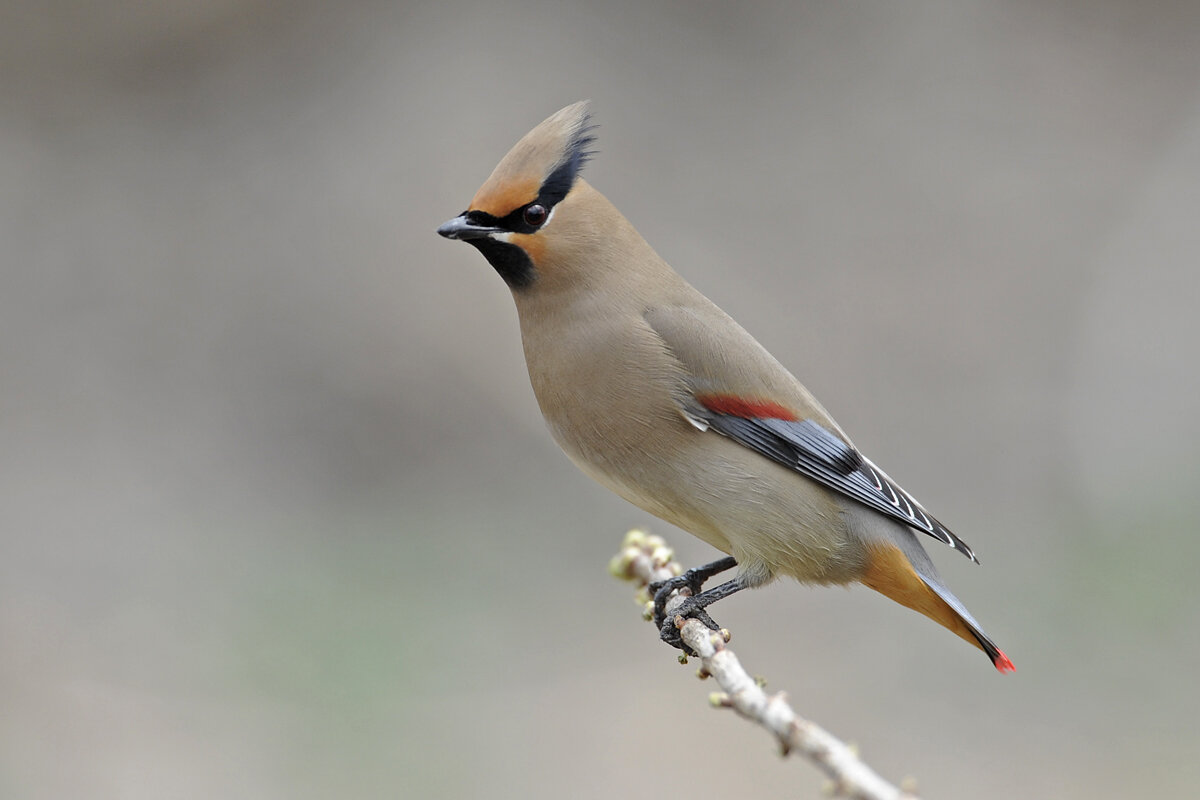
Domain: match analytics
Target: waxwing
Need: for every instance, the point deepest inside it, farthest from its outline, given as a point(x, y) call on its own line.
point(659, 395)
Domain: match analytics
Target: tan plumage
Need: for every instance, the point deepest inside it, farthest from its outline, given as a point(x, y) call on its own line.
point(659, 395)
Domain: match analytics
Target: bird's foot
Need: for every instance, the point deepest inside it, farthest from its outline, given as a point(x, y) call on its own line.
point(688, 583)
point(670, 629)
point(692, 581)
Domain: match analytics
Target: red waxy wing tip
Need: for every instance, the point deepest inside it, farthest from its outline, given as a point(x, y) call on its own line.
point(746, 407)
point(1003, 664)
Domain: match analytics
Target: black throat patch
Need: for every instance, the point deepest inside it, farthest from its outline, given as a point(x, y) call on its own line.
point(514, 266)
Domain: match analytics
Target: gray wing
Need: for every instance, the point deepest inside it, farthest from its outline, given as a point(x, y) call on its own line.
point(816, 453)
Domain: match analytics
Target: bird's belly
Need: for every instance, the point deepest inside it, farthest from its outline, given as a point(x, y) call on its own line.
point(635, 471)
point(772, 520)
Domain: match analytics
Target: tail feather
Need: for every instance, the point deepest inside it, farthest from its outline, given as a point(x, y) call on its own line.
point(894, 575)
point(985, 643)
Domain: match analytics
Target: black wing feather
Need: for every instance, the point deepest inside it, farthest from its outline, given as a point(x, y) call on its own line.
point(816, 453)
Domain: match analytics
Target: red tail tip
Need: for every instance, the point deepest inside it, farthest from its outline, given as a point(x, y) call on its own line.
point(1002, 663)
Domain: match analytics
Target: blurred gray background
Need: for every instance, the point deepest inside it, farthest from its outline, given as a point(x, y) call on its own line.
point(280, 518)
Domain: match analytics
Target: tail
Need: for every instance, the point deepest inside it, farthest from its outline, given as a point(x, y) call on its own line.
point(914, 583)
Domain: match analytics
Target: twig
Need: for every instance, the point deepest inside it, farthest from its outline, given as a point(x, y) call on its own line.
point(645, 559)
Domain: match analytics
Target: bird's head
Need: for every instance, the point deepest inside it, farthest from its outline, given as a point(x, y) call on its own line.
point(516, 217)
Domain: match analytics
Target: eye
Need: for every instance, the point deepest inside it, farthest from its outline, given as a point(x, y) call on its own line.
point(536, 214)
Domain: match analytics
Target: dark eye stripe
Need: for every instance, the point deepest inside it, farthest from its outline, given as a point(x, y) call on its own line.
point(513, 221)
point(554, 188)
point(559, 182)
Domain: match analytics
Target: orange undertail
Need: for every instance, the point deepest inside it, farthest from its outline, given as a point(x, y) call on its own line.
point(891, 574)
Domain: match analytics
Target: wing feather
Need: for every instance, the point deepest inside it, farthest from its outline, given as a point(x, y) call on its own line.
point(735, 397)
point(808, 448)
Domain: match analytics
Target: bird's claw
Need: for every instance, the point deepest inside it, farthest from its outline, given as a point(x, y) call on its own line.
point(669, 631)
point(662, 590)
point(690, 585)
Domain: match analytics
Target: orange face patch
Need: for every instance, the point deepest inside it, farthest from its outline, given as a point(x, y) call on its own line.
point(499, 198)
point(534, 245)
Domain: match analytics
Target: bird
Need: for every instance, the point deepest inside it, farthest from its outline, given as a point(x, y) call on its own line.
point(659, 395)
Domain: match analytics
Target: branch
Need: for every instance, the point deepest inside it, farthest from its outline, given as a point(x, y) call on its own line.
point(644, 559)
